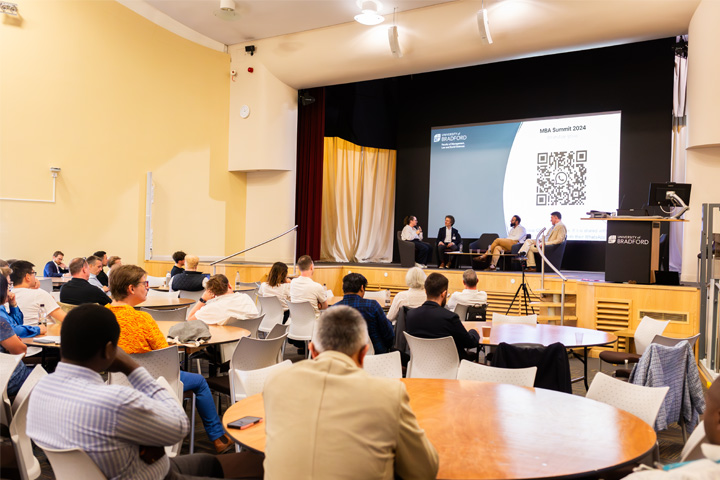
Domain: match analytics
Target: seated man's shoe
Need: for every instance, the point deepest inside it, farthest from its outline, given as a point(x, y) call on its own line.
point(442, 265)
point(531, 269)
point(223, 444)
point(522, 255)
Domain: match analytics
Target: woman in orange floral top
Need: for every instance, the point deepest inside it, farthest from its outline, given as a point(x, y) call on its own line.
point(139, 333)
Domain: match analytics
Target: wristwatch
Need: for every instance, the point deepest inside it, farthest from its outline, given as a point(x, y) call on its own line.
point(203, 300)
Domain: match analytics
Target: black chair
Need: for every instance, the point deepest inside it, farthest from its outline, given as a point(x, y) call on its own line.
point(482, 243)
point(554, 253)
point(407, 252)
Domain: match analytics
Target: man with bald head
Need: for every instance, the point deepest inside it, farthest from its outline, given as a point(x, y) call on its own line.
point(78, 290)
point(705, 469)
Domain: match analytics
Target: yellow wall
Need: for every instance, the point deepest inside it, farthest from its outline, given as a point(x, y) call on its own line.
point(93, 88)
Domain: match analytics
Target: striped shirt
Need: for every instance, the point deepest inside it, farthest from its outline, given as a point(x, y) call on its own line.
point(73, 408)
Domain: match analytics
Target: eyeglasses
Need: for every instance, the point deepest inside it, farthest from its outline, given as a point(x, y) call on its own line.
point(33, 272)
point(146, 283)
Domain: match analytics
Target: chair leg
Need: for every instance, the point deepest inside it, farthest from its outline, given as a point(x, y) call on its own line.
point(192, 426)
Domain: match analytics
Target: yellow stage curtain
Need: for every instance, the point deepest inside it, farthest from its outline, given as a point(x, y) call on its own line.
point(358, 202)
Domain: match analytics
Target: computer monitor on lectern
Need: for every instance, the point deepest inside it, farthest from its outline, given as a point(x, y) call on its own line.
point(670, 194)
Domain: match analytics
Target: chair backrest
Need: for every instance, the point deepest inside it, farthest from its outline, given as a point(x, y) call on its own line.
point(432, 357)
point(499, 319)
point(273, 311)
point(646, 331)
point(253, 381)
point(36, 374)
point(191, 295)
point(692, 450)
point(253, 354)
point(158, 294)
point(66, 307)
point(159, 363)
point(155, 281)
point(172, 315)
point(277, 331)
point(406, 250)
point(486, 240)
point(461, 311)
point(73, 464)
point(643, 402)
point(387, 365)
point(302, 320)
point(46, 284)
point(28, 465)
point(671, 342)
point(382, 296)
point(523, 377)
point(8, 363)
point(250, 324)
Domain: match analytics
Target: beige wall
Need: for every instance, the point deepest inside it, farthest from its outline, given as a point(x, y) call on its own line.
point(93, 88)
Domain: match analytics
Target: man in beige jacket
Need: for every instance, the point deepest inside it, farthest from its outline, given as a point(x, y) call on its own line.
point(554, 236)
point(327, 418)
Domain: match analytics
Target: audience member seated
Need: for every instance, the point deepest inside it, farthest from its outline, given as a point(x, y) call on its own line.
point(448, 240)
point(101, 275)
point(555, 236)
point(500, 245)
point(78, 290)
point(412, 233)
point(179, 259)
point(327, 418)
point(431, 320)
point(219, 302)
point(379, 327)
point(10, 342)
point(470, 295)
point(189, 280)
point(29, 297)
point(95, 266)
point(139, 333)
point(122, 429)
point(55, 267)
point(112, 263)
point(704, 469)
point(13, 315)
point(414, 297)
point(304, 289)
point(277, 285)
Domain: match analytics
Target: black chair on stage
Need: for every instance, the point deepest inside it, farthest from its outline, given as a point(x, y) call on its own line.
point(482, 243)
point(554, 253)
point(407, 252)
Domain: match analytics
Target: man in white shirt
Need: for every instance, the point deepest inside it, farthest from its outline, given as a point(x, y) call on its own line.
point(470, 295)
point(304, 289)
point(219, 303)
point(95, 265)
point(515, 234)
point(29, 296)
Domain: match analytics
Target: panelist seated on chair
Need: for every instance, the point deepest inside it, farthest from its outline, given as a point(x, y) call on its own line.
point(78, 290)
point(707, 468)
point(470, 294)
point(328, 418)
point(555, 236)
point(411, 232)
point(219, 302)
point(122, 429)
point(431, 320)
point(500, 245)
point(139, 333)
point(448, 240)
point(380, 329)
point(190, 280)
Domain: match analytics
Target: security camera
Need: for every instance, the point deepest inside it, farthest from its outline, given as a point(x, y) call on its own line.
point(250, 49)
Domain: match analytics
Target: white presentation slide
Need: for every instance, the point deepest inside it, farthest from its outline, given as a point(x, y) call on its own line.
point(484, 174)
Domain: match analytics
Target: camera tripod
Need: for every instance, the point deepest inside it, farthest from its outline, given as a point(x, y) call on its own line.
point(525, 300)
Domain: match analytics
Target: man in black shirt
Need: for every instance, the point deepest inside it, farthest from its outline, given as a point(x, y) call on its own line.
point(179, 259)
point(78, 290)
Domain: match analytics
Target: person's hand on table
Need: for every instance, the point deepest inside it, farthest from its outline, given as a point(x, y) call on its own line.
point(43, 329)
point(441, 243)
point(123, 363)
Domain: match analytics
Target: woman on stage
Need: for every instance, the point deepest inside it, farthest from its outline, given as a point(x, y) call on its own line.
point(412, 233)
point(448, 240)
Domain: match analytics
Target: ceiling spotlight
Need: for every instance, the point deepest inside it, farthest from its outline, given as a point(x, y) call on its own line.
point(369, 15)
point(8, 8)
point(227, 10)
point(305, 98)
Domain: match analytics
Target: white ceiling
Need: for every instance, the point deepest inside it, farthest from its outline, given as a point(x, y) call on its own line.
point(257, 19)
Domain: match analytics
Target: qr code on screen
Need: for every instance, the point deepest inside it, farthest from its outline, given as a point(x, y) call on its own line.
point(561, 178)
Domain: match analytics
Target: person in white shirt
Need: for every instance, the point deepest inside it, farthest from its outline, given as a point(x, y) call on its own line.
point(470, 295)
point(414, 297)
point(95, 265)
point(277, 285)
point(304, 289)
point(29, 296)
point(412, 233)
point(219, 303)
point(515, 234)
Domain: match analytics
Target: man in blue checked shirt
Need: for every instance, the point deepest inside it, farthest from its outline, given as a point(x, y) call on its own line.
point(122, 429)
point(380, 329)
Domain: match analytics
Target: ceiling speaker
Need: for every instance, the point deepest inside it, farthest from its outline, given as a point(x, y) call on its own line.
point(394, 43)
point(484, 26)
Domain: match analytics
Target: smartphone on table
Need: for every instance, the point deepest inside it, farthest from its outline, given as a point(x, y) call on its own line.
point(245, 422)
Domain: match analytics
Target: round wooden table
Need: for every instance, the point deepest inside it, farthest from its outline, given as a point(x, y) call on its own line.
point(570, 337)
point(165, 303)
point(495, 431)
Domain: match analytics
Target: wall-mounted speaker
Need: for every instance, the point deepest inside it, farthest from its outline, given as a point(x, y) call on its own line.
point(484, 26)
point(394, 43)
